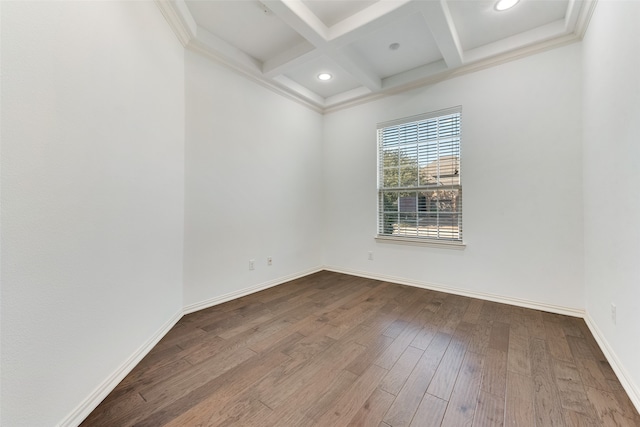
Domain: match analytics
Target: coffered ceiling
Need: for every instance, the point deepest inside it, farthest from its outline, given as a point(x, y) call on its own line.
point(368, 47)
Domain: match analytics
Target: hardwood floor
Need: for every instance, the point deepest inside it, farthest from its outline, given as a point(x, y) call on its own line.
point(337, 350)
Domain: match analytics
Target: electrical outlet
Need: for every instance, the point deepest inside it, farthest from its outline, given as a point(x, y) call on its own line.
point(614, 313)
point(252, 263)
point(370, 256)
point(269, 260)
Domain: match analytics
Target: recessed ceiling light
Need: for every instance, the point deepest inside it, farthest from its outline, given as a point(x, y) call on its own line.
point(505, 4)
point(325, 76)
point(394, 46)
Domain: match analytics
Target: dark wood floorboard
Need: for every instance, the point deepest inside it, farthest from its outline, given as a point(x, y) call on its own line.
point(336, 350)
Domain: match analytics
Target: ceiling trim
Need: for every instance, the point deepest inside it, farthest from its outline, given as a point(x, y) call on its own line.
point(333, 42)
point(299, 54)
point(298, 88)
point(585, 17)
point(395, 84)
point(180, 21)
point(277, 87)
point(228, 51)
point(298, 16)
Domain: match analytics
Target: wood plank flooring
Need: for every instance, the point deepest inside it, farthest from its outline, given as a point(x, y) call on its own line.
point(336, 350)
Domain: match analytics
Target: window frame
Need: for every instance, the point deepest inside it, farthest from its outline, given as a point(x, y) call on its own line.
point(417, 123)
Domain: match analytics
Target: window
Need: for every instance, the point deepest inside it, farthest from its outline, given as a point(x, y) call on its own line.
point(419, 189)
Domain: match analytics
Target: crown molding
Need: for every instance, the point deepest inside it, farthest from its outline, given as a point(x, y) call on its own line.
point(447, 74)
point(177, 21)
point(273, 86)
point(584, 18)
point(201, 41)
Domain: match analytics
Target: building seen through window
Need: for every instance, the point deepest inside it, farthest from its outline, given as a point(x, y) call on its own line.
point(419, 187)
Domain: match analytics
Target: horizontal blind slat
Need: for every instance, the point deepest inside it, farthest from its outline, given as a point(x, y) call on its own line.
point(419, 177)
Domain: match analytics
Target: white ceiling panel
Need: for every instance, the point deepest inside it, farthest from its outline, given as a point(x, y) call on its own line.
point(416, 46)
point(331, 12)
point(245, 24)
point(307, 75)
point(285, 44)
point(478, 23)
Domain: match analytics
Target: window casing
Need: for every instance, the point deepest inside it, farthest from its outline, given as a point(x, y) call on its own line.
point(419, 187)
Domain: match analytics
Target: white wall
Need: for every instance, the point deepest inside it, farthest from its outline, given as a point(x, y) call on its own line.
point(99, 162)
point(253, 184)
point(521, 173)
point(612, 179)
point(92, 197)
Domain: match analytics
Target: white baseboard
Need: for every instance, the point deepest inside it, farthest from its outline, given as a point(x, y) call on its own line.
point(569, 311)
point(77, 416)
point(93, 400)
point(625, 379)
point(83, 410)
point(247, 291)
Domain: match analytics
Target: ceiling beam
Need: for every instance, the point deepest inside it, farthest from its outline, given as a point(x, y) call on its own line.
point(440, 22)
point(334, 44)
point(368, 20)
point(297, 15)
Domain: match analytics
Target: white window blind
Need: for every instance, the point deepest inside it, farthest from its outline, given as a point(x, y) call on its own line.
point(419, 188)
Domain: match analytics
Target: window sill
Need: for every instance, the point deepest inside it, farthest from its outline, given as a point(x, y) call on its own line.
point(421, 242)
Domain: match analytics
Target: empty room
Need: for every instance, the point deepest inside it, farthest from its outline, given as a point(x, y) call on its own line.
point(320, 213)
